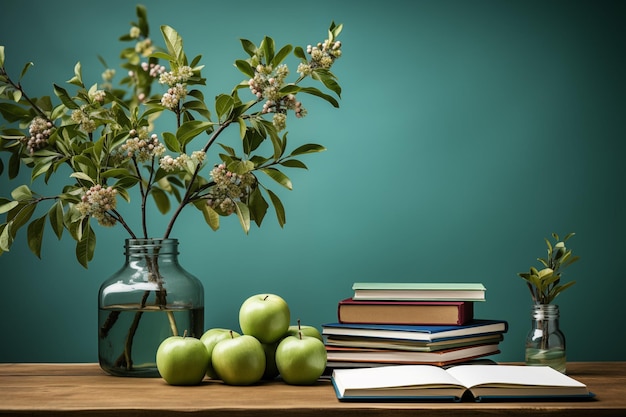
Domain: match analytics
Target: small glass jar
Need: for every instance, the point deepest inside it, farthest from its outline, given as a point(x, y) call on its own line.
point(545, 343)
point(149, 299)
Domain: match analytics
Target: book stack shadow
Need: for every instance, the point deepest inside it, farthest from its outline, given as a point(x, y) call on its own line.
point(411, 323)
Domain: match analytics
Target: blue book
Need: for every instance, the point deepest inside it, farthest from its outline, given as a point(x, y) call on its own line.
point(416, 332)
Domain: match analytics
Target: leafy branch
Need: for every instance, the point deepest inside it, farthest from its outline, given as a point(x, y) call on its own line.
point(105, 136)
point(545, 284)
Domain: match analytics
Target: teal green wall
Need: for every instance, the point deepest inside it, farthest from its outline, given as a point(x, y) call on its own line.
point(468, 131)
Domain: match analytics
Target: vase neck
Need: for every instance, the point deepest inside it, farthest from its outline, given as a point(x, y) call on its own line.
point(545, 312)
point(142, 247)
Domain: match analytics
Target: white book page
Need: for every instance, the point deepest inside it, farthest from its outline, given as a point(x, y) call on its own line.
point(394, 376)
point(543, 376)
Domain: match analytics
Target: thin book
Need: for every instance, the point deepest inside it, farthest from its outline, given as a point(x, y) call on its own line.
point(411, 345)
point(439, 358)
point(424, 333)
point(418, 291)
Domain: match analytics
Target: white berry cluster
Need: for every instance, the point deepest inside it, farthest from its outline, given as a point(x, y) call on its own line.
point(178, 76)
point(173, 96)
point(96, 202)
point(144, 47)
point(82, 118)
point(182, 162)
point(107, 78)
point(229, 187)
point(266, 84)
point(134, 32)
point(176, 80)
point(108, 74)
point(98, 96)
point(141, 147)
point(39, 130)
point(323, 55)
point(154, 70)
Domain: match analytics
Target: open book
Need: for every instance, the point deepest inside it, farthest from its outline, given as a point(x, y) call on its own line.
point(482, 382)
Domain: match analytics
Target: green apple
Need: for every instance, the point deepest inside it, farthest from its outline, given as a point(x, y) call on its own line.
point(301, 360)
point(182, 360)
point(264, 316)
point(271, 371)
point(210, 339)
point(239, 360)
point(306, 331)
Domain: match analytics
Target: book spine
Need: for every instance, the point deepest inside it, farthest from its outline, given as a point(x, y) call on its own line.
point(411, 313)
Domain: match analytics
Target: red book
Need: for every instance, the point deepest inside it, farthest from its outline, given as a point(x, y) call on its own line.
point(405, 312)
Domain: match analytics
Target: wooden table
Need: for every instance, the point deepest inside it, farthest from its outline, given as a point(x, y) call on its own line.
point(83, 389)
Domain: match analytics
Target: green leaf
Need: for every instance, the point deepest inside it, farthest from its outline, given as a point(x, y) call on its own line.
point(242, 128)
point(245, 67)
point(299, 53)
point(278, 144)
point(1, 55)
point(189, 130)
point(82, 176)
point(278, 176)
point(25, 69)
point(281, 55)
point(8, 206)
point(240, 167)
point(161, 200)
point(115, 173)
point(34, 235)
point(210, 216)
point(267, 45)
point(258, 206)
point(42, 166)
point(328, 80)
point(13, 113)
point(86, 246)
point(173, 42)
point(248, 46)
point(162, 55)
point(294, 163)
point(5, 238)
point(290, 89)
point(307, 148)
point(17, 96)
point(315, 92)
point(224, 105)
point(65, 98)
point(278, 208)
point(243, 213)
point(142, 16)
point(55, 215)
point(171, 142)
point(22, 193)
point(77, 79)
point(21, 218)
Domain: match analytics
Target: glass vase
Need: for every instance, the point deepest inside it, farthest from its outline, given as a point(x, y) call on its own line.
point(149, 299)
point(545, 343)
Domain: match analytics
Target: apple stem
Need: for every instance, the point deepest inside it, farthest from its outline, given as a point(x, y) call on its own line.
point(266, 297)
point(299, 328)
point(185, 333)
point(300, 334)
point(231, 334)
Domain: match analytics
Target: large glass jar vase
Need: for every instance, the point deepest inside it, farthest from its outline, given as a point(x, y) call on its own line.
point(149, 299)
point(545, 343)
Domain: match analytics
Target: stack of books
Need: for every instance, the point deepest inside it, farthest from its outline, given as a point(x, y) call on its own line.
point(411, 323)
